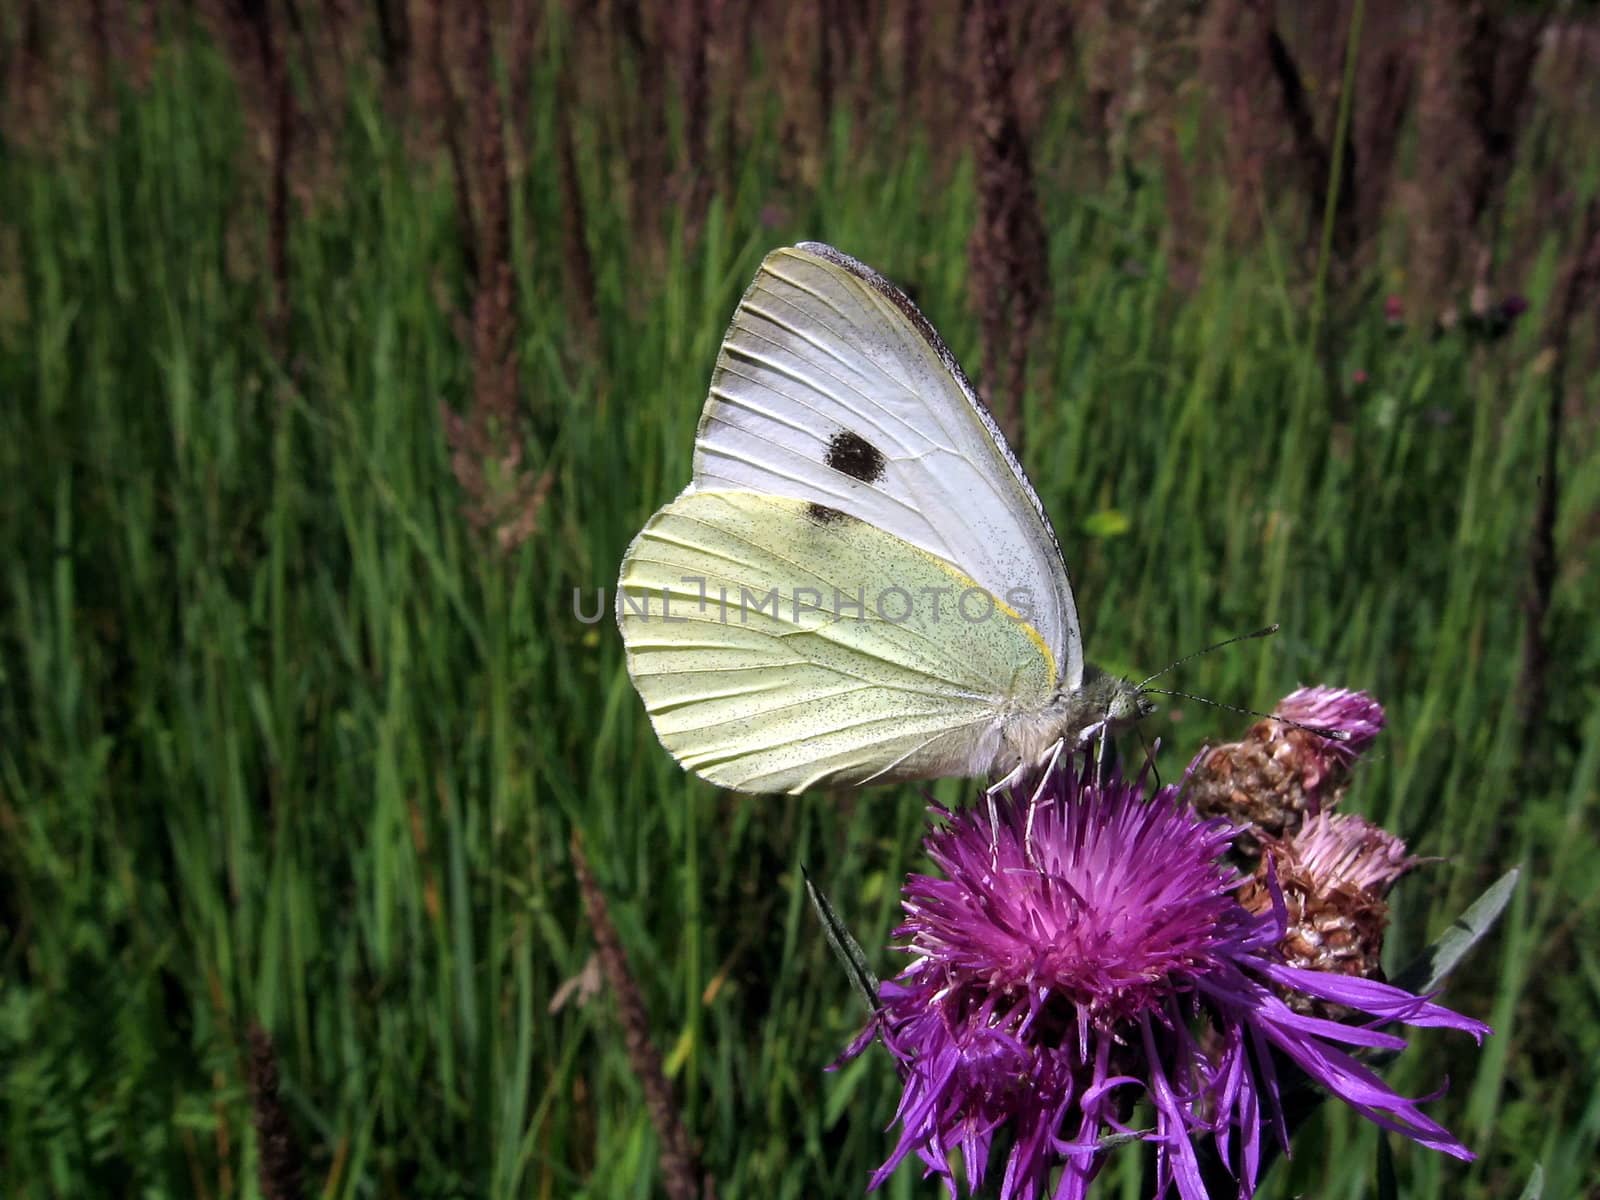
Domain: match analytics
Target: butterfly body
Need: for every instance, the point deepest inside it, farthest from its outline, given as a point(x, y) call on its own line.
point(1102, 706)
point(859, 585)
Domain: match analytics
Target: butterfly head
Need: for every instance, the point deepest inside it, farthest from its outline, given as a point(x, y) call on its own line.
point(1111, 704)
point(1127, 706)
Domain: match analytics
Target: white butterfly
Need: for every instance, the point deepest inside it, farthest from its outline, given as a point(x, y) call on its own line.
point(859, 585)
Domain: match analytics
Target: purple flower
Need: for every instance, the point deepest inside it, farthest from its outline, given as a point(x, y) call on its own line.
point(1357, 714)
point(1330, 881)
point(1513, 306)
point(1342, 850)
point(1277, 775)
point(1059, 977)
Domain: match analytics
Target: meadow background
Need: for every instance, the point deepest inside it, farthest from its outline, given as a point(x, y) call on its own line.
point(340, 342)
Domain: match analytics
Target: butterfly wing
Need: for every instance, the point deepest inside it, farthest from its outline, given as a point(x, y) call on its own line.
point(773, 655)
point(833, 388)
point(842, 455)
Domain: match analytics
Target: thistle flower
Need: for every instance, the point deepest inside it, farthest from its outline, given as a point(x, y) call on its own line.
point(1278, 775)
point(1062, 976)
point(1331, 879)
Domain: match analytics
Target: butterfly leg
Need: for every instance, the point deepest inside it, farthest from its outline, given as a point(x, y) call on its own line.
point(1150, 759)
point(1101, 753)
point(1033, 801)
point(989, 793)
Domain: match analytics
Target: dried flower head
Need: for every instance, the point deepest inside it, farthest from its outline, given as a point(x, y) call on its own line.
point(1278, 775)
point(1087, 955)
point(1331, 877)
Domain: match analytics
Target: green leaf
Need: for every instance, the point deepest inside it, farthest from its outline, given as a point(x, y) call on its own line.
point(1427, 971)
point(1107, 523)
point(842, 1094)
point(1535, 1188)
point(844, 946)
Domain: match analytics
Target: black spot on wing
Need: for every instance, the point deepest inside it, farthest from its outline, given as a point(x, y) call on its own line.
point(851, 454)
point(824, 515)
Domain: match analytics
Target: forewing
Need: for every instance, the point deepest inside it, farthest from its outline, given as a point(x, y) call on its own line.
point(778, 649)
point(832, 388)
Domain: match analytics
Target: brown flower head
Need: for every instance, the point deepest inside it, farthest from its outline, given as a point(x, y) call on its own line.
point(1333, 876)
point(1279, 775)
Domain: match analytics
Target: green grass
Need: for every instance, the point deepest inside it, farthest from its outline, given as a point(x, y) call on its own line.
point(282, 742)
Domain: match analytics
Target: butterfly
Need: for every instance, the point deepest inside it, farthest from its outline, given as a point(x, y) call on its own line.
point(859, 585)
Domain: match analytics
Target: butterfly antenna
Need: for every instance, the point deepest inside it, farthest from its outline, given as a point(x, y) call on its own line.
point(1243, 637)
point(1333, 735)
